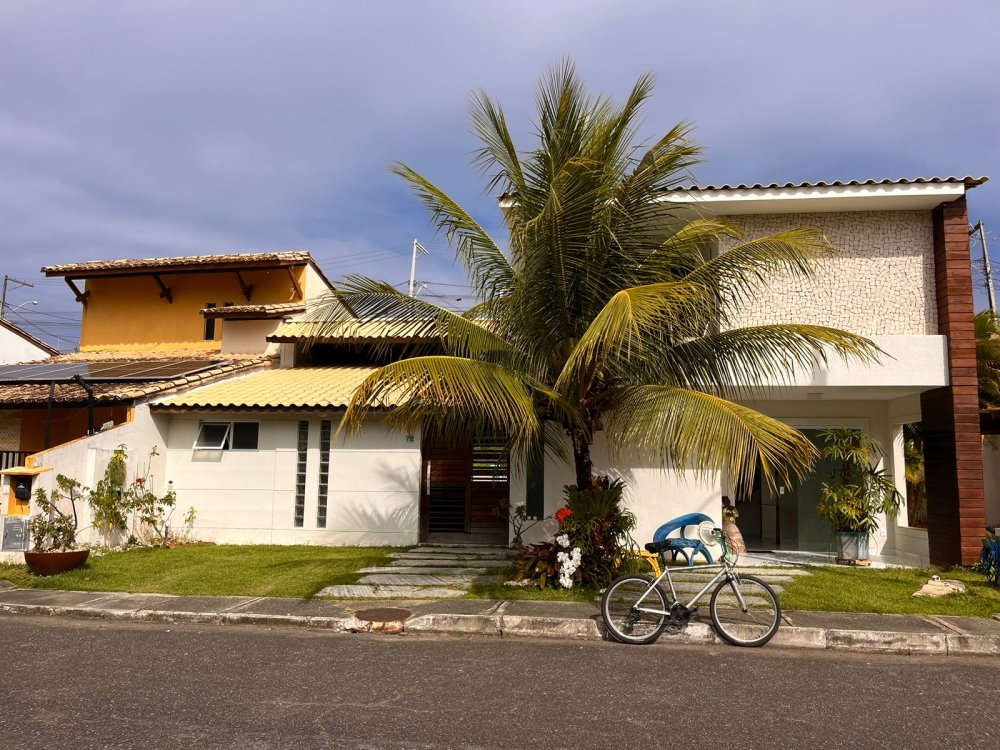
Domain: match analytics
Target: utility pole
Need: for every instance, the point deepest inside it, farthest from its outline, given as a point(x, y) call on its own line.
point(417, 247)
point(3, 296)
point(986, 265)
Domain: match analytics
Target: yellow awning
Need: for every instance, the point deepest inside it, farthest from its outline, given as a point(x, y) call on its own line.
point(23, 471)
point(288, 388)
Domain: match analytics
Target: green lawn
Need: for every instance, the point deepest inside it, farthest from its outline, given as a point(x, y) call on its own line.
point(888, 591)
point(830, 589)
point(237, 570)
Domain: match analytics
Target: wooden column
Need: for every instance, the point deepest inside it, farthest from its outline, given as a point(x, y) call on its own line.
point(956, 510)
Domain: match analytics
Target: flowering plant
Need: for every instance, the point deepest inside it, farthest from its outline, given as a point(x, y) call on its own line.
point(597, 524)
point(116, 501)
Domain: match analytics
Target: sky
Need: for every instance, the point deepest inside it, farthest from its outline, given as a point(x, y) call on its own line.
point(174, 128)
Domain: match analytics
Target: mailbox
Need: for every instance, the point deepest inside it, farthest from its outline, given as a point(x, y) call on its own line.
point(16, 484)
point(22, 487)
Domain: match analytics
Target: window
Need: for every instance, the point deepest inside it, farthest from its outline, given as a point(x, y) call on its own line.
point(224, 436)
point(209, 324)
point(325, 430)
point(490, 460)
point(300, 474)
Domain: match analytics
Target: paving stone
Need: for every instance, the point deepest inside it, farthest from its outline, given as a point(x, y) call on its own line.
point(128, 602)
point(863, 621)
point(457, 607)
point(387, 579)
point(460, 550)
point(291, 607)
point(971, 625)
point(428, 570)
point(694, 585)
point(52, 598)
point(452, 562)
point(356, 591)
point(185, 603)
point(681, 570)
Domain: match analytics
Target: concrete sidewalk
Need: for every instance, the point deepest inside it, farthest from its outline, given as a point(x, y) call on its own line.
point(478, 617)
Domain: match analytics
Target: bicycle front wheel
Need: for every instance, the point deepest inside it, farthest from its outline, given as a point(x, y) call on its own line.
point(628, 619)
point(745, 611)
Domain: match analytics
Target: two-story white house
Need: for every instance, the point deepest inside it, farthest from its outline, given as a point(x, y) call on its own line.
point(257, 454)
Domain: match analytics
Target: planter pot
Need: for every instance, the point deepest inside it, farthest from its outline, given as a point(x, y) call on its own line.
point(852, 545)
point(736, 542)
point(51, 563)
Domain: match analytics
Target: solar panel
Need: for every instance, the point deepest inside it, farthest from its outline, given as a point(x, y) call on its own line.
point(120, 370)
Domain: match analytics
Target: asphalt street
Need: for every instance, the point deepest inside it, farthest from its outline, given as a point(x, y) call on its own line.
point(79, 684)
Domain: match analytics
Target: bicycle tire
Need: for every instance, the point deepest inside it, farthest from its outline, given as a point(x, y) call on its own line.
point(623, 623)
point(754, 627)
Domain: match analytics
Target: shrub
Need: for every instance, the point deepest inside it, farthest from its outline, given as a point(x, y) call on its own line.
point(600, 527)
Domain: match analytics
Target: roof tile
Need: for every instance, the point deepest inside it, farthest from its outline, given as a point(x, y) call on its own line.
point(279, 388)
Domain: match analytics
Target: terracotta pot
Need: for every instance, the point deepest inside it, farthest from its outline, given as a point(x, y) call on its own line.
point(51, 563)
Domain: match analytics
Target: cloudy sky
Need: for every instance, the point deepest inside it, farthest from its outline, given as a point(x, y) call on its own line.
point(170, 128)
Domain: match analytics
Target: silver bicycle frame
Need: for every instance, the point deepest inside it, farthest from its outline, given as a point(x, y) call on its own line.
point(725, 571)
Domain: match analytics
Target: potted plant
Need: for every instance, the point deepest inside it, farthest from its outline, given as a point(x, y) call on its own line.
point(729, 527)
point(856, 493)
point(53, 531)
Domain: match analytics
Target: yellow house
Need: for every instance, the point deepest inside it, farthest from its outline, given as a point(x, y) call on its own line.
point(157, 304)
point(151, 326)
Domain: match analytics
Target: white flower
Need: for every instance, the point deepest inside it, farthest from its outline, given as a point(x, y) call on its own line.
point(563, 540)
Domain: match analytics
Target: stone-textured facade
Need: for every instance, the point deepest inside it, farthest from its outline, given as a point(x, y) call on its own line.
point(880, 282)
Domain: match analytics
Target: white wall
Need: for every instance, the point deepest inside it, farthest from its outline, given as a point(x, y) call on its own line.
point(991, 479)
point(315, 285)
point(15, 348)
point(85, 459)
point(249, 496)
point(654, 494)
point(248, 336)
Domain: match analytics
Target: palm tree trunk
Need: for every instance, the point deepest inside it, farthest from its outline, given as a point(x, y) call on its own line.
point(581, 459)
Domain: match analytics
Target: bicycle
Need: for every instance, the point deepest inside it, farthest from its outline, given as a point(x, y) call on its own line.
point(745, 610)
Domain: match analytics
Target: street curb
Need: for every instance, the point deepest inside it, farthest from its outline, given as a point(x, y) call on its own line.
point(554, 628)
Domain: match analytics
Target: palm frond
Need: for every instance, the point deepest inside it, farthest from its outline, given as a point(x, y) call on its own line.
point(689, 429)
point(987, 331)
point(489, 269)
point(452, 394)
point(633, 319)
point(730, 362)
point(739, 273)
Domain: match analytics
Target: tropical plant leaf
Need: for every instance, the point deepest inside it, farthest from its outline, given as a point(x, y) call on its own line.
point(687, 429)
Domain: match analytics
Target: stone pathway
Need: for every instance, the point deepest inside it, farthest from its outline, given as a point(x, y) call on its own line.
point(447, 571)
point(428, 571)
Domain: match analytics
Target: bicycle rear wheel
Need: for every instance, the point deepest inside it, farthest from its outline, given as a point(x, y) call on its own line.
point(753, 624)
point(624, 614)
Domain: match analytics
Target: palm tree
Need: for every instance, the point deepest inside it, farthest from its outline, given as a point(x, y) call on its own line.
point(988, 358)
point(597, 317)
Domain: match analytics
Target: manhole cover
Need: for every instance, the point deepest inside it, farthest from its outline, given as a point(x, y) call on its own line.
point(383, 614)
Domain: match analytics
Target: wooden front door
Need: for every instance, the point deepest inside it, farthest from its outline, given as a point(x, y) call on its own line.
point(463, 485)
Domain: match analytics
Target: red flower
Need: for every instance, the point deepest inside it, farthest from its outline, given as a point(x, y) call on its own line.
point(139, 480)
point(562, 514)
